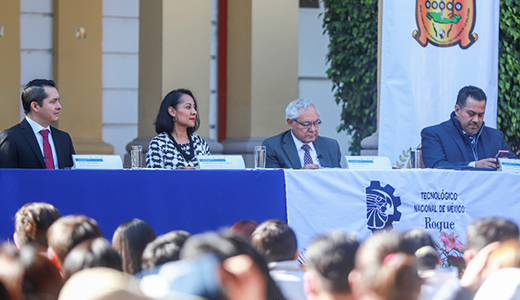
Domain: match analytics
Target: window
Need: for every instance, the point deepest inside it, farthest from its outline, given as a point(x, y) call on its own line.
point(310, 3)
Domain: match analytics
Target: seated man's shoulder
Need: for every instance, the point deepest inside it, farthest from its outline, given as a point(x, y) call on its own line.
point(436, 127)
point(328, 139)
point(9, 132)
point(275, 139)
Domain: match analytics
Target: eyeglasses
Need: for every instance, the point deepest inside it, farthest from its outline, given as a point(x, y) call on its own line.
point(308, 125)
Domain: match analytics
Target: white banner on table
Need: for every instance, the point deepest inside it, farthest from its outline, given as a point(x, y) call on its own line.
point(361, 201)
point(431, 49)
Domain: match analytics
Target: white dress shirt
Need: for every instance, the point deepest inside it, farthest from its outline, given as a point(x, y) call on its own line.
point(36, 129)
point(301, 152)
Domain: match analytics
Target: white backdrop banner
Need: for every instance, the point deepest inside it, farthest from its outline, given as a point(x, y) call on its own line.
point(444, 202)
point(431, 49)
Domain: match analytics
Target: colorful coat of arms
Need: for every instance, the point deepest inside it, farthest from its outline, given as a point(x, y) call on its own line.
point(445, 23)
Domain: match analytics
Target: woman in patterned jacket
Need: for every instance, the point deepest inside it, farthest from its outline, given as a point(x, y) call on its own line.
point(177, 144)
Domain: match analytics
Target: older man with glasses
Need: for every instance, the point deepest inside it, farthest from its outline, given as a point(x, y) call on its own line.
point(301, 147)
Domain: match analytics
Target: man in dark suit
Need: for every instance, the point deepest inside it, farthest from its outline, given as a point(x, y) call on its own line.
point(34, 144)
point(464, 140)
point(301, 145)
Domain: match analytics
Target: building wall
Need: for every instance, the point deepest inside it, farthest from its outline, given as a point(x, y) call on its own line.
point(36, 18)
point(120, 48)
point(120, 72)
point(312, 74)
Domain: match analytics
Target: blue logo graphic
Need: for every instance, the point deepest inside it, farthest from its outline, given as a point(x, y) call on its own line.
point(382, 207)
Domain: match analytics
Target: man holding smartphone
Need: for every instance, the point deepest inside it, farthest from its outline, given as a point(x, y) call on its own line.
point(464, 140)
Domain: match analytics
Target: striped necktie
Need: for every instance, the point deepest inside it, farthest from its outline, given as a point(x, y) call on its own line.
point(47, 151)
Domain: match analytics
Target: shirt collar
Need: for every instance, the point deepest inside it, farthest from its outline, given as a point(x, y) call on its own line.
point(299, 143)
point(35, 126)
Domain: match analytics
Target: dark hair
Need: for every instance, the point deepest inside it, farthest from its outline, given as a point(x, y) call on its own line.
point(427, 258)
point(420, 243)
point(386, 269)
point(331, 255)
point(485, 231)
point(472, 92)
point(91, 253)
point(228, 244)
point(275, 240)
point(164, 121)
point(244, 228)
point(34, 92)
point(129, 240)
point(32, 221)
point(164, 248)
point(415, 239)
point(29, 275)
point(68, 231)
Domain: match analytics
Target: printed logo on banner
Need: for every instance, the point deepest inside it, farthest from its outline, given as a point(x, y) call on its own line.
point(382, 207)
point(445, 23)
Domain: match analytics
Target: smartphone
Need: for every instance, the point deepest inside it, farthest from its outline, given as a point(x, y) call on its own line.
point(501, 154)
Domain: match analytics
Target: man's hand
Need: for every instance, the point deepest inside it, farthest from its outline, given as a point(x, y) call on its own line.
point(311, 166)
point(489, 163)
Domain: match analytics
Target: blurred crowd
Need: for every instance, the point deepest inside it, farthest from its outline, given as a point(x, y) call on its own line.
point(67, 257)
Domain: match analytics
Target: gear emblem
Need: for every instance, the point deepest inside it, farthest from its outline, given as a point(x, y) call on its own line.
point(382, 207)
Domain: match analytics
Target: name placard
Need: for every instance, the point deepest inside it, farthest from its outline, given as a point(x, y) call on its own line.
point(221, 162)
point(509, 165)
point(98, 162)
point(368, 163)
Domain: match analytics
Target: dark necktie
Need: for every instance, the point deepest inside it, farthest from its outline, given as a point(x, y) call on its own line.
point(47, 151)
point(472, 142)
point(307, 156)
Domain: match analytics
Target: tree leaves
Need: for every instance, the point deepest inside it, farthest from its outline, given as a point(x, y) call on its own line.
point(352, 29)
point(508, 105)
point(352, 57)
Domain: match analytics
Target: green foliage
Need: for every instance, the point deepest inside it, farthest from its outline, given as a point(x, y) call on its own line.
point(352, 29)
point(508, 108)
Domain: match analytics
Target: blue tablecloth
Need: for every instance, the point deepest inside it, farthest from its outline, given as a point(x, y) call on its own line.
point(192, 200)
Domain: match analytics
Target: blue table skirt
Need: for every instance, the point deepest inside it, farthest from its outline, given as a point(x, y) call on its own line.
point(192, 200)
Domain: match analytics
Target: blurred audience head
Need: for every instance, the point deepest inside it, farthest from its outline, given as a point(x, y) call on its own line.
point(420, 243)
point(244, 273)
point(384, 270)
point(163, 249)
point(275, 240)
point(329, 261)
point(67, 232)
point(91, 253)
point(485, 231)
point(129, 240)
point(29, 275)
point(506, 256)
point(101, 284)
point(244, 228)
point(31, 223)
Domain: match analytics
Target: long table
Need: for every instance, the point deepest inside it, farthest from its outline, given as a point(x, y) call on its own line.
point(443, 202)
point(192, 200)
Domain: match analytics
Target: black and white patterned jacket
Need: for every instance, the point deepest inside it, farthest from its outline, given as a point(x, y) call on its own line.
point(163, 154)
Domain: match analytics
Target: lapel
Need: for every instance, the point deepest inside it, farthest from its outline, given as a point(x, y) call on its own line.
point(485, 140)
point(321, 151)
point(290, 149)
point(56, 137)
point(456, 135)
point(28, 134)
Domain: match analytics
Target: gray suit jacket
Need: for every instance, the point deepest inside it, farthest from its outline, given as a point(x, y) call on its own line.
point(282, 152)
point(19, 148)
